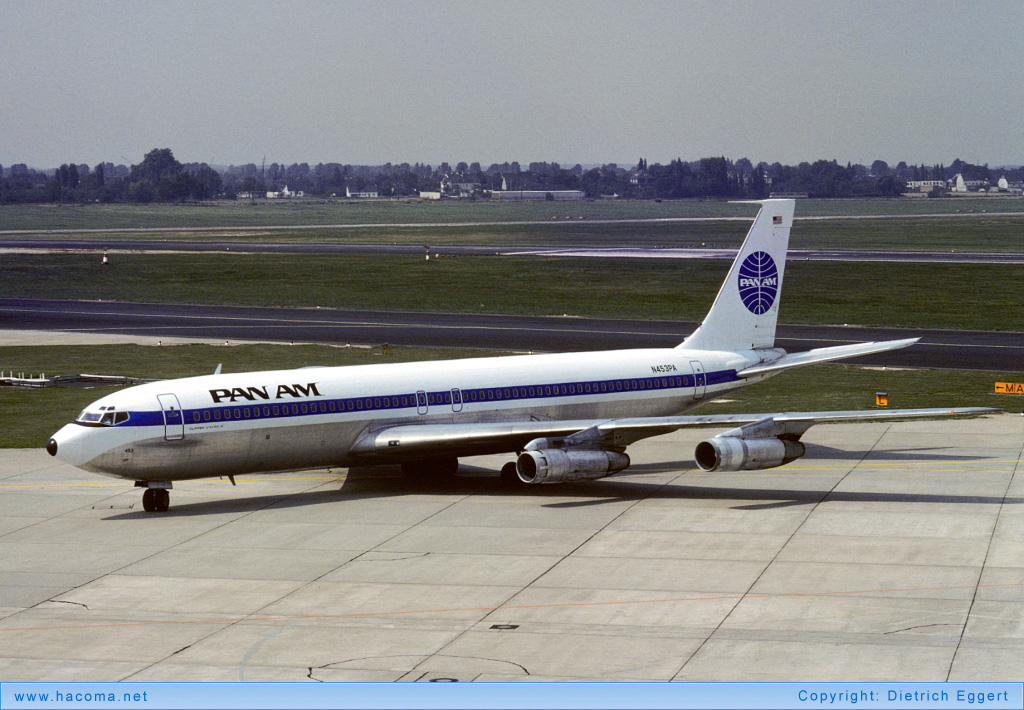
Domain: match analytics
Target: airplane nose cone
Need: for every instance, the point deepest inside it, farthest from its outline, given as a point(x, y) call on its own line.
point(72, 445)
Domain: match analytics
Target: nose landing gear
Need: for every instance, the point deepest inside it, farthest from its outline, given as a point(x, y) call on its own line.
point(156, 498)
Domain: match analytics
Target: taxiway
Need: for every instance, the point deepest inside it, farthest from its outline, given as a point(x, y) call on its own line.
point(906, 562)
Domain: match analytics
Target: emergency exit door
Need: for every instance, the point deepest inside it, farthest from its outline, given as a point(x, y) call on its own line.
point(700, 379)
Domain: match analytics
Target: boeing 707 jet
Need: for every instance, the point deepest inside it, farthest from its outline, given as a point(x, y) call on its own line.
point(566, 417)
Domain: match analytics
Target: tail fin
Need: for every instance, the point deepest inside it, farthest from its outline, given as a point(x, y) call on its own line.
point(746, 309)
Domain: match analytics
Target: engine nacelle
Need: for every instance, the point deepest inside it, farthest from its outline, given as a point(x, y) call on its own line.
point(565, 465)
point(731, 453)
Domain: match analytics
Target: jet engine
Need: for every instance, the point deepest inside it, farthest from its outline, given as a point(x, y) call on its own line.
point(566, 465)
point(732, 453)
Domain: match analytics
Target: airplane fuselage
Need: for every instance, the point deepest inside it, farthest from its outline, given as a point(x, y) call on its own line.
point(230, 424)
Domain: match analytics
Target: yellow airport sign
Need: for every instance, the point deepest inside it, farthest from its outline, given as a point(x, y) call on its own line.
point(1009, 387)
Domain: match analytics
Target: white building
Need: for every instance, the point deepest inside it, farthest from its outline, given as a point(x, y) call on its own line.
point(961, 185)
point(363, 193)
point(285, 193)
point(925, 185)
point(1005, 185)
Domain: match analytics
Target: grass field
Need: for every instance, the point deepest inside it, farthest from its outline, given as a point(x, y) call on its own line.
point(29, 416)
point(975, 233)
point(973, 296)
point(269, 213)
point(976, 224)
point(281, 213)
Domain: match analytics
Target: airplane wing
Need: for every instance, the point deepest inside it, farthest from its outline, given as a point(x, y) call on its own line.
point(407, 441)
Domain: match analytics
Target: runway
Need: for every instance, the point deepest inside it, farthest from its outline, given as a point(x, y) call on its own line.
point(902, 563)
point(620, 251)
point(972, 350)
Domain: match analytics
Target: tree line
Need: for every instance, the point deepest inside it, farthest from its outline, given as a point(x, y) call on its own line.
point(162, 178)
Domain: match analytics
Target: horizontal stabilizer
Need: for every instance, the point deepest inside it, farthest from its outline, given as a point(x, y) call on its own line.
point(820, 355)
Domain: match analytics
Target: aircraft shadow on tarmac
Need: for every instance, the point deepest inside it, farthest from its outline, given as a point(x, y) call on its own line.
point(924, 455)
point(781, 497)
point(387, 482)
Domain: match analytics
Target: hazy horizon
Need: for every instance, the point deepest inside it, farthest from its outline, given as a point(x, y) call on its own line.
point(572, 82)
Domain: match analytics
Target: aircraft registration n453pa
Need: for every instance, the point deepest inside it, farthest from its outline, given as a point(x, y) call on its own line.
point(566, 417)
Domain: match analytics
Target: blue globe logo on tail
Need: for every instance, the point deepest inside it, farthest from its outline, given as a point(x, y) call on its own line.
point(758, 282)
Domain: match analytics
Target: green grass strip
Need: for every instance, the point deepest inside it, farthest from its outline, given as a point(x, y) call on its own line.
point(949, 296)
point(241, 213)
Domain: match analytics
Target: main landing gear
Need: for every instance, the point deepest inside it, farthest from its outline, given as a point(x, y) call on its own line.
point(435, 469)
point(510, 477)
point(157, 496)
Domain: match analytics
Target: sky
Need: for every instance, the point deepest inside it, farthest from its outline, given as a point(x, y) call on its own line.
point(588, 82)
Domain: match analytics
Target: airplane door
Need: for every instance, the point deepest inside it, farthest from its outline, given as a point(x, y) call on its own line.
point(174, 422)
point(456, 400)
point(700, 379)
point(421, 402)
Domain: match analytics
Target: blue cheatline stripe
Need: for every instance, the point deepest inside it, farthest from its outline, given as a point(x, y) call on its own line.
point(280, 409)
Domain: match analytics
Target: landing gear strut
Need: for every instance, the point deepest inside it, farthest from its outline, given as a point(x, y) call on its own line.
point(155, 499)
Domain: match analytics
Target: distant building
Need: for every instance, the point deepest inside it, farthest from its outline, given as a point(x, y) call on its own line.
point(641, 178)
point(1004, 185)
point(430, 195)
point(285, 194)
point(459, 187)
point(925, 185)
point(371, 192)
point(961, 185)
point(466, 189)
point(538, 194)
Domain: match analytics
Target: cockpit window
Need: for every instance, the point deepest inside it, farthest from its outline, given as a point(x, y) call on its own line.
point(104, 416)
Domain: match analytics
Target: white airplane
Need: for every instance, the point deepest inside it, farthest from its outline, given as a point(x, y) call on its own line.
point(569, 417)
